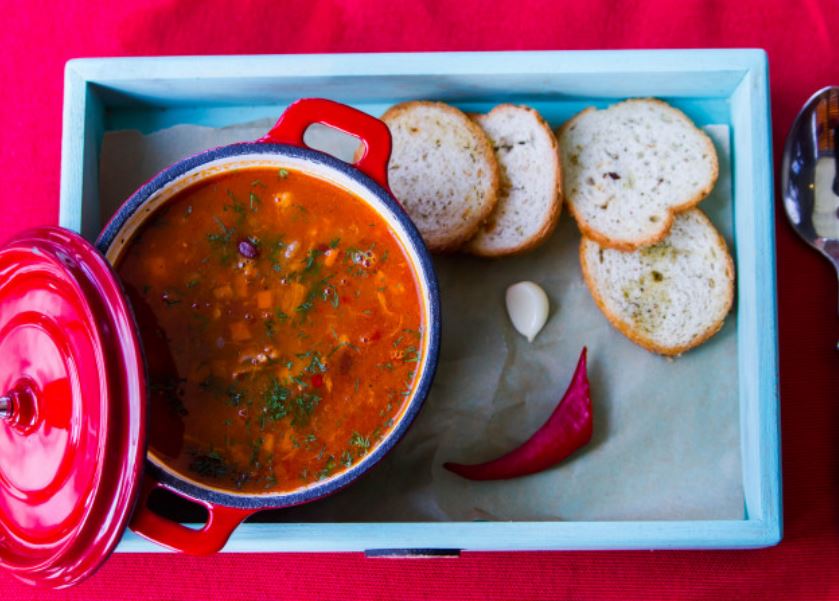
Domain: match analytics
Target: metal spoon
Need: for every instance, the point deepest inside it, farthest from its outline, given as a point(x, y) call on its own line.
point(810, 174)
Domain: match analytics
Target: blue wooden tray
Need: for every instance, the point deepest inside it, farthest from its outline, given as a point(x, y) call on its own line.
point(712, 86)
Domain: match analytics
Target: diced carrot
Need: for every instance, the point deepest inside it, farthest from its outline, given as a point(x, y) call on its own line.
point(216, 312)
point(248, 355)
point(268, 443)
point(239, 331)
point(282, 199)
point(329, 257)
point(243, 371)
point(240, 284)
point(287, 449)
point(293, 297)
point(249, 269)
point(383, 303)
point(223, 292)
point(264, 299)
point(281, 475)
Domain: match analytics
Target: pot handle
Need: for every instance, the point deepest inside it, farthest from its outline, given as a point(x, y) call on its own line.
point(221, 522)
point(373, 133)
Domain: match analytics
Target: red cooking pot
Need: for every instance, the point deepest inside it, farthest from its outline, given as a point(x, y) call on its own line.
point(74, 463)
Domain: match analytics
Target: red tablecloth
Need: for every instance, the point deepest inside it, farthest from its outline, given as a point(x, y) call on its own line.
point(38, 36)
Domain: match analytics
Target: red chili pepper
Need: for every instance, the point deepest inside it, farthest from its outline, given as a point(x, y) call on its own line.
point(317, 380)
point(568, 428)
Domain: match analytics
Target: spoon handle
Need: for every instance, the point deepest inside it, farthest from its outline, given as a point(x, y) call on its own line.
point(836, 160)
point(835, 261)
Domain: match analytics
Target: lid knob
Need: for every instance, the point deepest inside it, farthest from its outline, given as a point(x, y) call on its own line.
point(19, 406)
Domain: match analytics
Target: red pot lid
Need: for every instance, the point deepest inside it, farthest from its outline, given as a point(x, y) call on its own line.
point(73, 406)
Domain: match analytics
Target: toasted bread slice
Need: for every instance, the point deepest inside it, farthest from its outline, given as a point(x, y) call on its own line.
point(669, 297)
point(630, 168)
point(529, 200)
point(442, 170)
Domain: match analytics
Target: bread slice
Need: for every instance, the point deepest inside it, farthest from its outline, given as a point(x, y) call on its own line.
point(630, 168)
point(529, 200)
point(669, 297)
point(442, 170)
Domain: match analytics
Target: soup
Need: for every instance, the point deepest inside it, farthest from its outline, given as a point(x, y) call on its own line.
point(282, 325)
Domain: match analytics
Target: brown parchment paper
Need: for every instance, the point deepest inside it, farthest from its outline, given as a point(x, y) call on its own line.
point(666, 440)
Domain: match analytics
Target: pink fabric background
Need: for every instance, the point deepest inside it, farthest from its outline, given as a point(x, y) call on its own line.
point(801, 39)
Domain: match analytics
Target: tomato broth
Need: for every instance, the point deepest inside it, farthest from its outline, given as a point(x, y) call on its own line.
point(283, 328)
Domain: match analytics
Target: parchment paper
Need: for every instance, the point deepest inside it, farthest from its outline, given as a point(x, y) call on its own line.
point(666, 443)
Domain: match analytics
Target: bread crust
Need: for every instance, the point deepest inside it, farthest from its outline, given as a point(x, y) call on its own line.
point(552, 219)
point(592, 234)
point(638, 338)
point(455, 239)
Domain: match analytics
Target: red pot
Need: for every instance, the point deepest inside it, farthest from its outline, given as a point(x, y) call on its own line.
point(72, 437)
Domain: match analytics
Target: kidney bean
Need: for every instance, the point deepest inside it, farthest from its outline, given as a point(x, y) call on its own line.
point(248, 249)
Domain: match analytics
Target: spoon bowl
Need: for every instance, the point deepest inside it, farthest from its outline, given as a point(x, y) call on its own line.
point(810, 173)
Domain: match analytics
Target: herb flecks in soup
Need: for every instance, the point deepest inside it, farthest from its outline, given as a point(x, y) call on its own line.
point(282, 324)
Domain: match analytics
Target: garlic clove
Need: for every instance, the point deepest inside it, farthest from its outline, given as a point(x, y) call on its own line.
point(527, 306)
